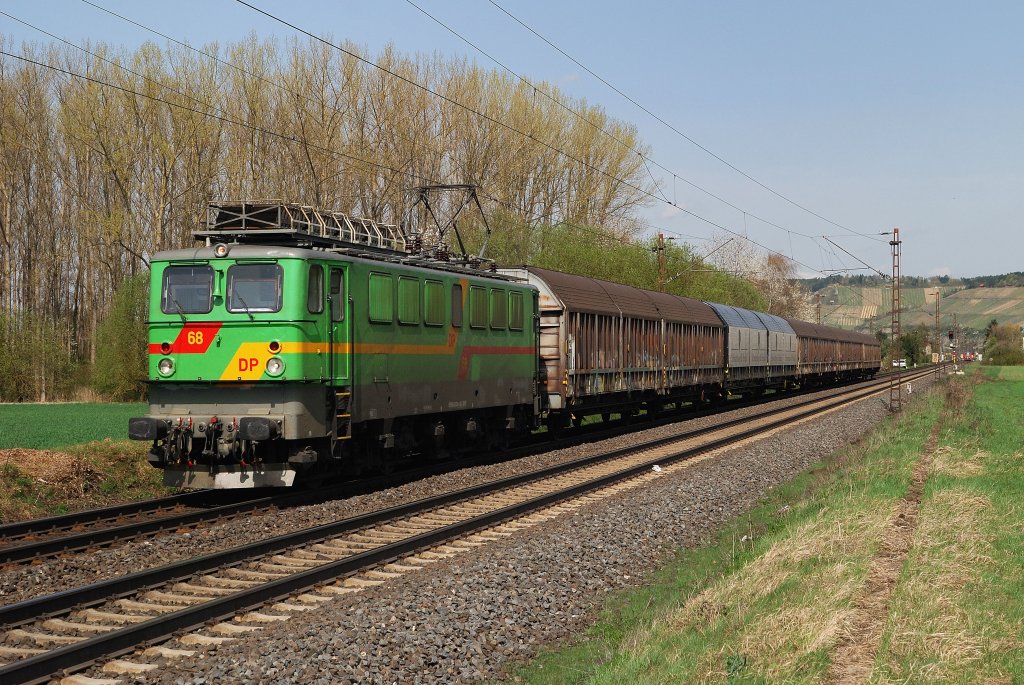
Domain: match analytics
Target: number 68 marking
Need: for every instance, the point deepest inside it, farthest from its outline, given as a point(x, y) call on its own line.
point(195, 337)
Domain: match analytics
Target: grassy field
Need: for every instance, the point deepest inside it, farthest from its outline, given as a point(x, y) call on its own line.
point(46, 426)
point(772, 599)
point(56, 458)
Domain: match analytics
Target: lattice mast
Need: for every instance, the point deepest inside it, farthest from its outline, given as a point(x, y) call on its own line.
point(896, 379)
point(938, 335)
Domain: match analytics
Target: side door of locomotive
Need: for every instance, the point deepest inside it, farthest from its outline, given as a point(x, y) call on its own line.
point(339, 325)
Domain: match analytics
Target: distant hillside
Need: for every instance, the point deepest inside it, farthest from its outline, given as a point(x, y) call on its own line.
point(867, 308)
point(976, 307)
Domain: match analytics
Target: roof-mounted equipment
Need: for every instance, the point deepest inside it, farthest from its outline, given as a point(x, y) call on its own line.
point(274, 222)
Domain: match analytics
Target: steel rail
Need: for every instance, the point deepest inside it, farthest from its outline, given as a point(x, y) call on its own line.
point(103, 536)
point(40, 668)
point(79, 541)
point(46, 605)
point(67, 521)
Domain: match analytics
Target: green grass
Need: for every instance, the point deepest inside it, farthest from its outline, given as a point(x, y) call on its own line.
point(957, 615)
point(1005, 373)
point(48, 426)
point(772, 610)
point(735, 611)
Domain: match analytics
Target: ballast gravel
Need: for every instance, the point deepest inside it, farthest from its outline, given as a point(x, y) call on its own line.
point(471, 617)
point(19, 583)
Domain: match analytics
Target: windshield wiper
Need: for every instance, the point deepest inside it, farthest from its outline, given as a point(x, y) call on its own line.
point(239, 296)
point(181, 312)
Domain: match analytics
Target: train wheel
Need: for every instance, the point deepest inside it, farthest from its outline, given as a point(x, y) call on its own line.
point(556, 424)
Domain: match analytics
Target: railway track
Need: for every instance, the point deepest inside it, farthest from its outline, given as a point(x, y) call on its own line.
point(37, 539)
point(242, 590)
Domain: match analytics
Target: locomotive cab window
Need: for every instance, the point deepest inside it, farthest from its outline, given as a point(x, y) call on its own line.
point(254, 288)
point(315, 292)
point(187, 290)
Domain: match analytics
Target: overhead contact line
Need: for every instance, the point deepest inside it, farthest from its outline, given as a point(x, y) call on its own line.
point(513, 129)
point(673, 128)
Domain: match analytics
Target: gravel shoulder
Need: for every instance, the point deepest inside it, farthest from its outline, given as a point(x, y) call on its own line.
point(55, 575)
point(468, 618)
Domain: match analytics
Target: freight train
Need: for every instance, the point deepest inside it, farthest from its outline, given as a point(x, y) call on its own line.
point(295, 343)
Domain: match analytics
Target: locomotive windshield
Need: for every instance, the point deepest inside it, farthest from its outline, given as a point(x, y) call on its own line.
point(187, 290)
point(254, 288)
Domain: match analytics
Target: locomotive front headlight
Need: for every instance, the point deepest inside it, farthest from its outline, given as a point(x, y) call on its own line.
point(166, 366)
point(275, 366)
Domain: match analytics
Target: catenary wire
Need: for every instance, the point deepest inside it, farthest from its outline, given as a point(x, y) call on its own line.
point(673, 128)
point(288, 138)
point(507, 126)
point(233, 66)
point(617, 139)
point(354, 158)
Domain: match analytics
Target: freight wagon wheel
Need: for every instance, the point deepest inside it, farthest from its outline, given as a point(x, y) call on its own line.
point(556, 424)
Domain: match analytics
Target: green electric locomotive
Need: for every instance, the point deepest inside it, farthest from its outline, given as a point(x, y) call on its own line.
point(300, 342)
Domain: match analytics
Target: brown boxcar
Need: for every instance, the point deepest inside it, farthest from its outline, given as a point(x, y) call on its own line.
point(825, 354)
point(608, 347)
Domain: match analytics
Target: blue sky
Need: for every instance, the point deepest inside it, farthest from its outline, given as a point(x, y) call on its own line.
point(871, 114)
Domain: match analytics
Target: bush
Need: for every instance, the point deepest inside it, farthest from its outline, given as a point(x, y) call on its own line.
point(122, 343)
point(1003, 345)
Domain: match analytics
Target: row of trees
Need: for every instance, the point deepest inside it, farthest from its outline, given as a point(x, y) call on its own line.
point(98, 173)
point(1014, 279)
point(875, 281)
point(109, 156)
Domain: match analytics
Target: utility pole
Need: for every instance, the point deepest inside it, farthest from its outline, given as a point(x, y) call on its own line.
point(817, 309)
point(896, 379)
point(956, 343)
point(660, 249)
point(938, 335)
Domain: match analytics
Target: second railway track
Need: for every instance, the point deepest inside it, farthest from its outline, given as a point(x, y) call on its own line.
point(32, 540)
point(239, 590)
